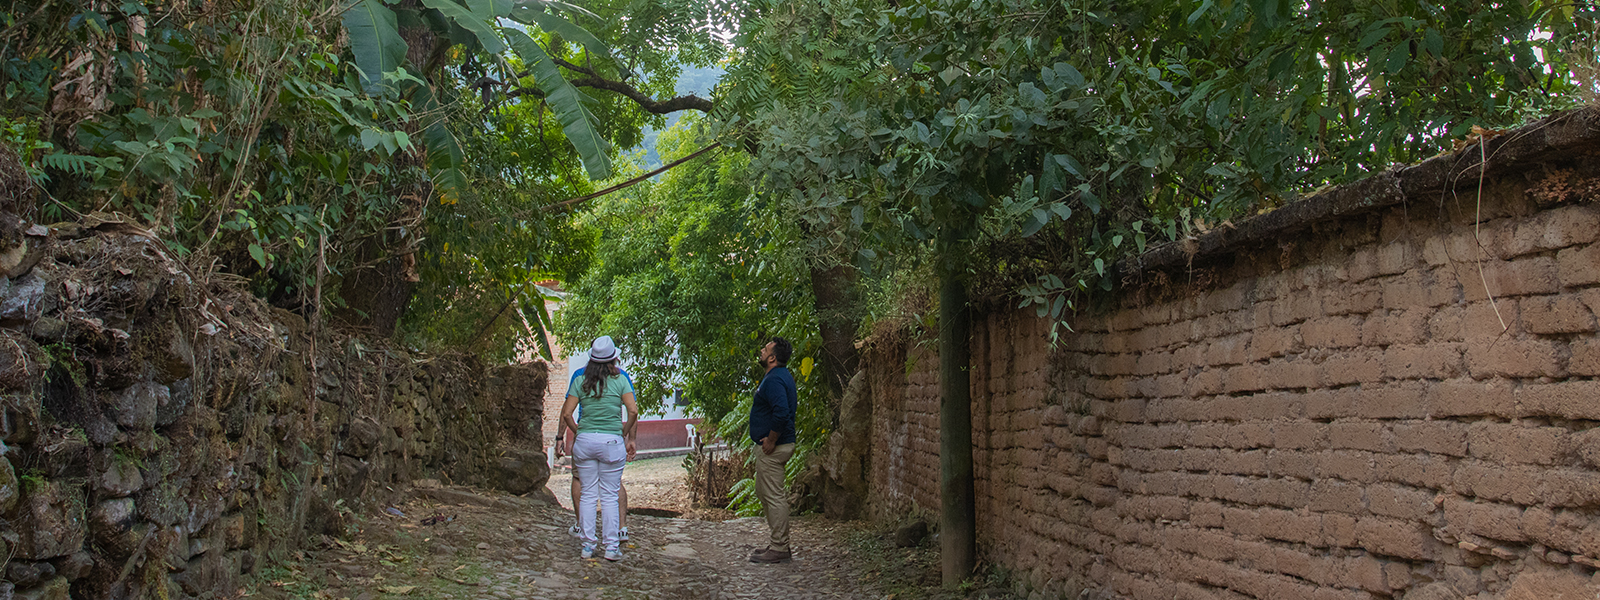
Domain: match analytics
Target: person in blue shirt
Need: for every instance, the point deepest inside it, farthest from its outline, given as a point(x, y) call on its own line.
point(577, 485)
point(772, 428)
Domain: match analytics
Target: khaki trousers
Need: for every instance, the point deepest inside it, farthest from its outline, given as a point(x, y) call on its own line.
point(774, 497)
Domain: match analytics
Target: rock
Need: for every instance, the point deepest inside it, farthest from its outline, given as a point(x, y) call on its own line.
point(48, 329)
point(66, 458)
point(28, 574)
point(911, 534)
point(55, 589)
point(23, 300)
point(523, 471)
point(1551, 585)
point(180, 394)
point(169, 351)
point(21, 361)
point(50, 522)
point(8, 590)
point(164, 504)
point(232, 530)
point(118, 478)
point(74, 567)
point(110, 523)
point(9, 487)
point(135, 408)
point(361, 437)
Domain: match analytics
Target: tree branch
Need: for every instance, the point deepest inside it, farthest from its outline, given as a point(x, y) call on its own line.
point(594, 80)
point(633, 181)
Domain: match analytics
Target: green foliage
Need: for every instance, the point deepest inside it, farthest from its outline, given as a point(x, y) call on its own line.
point(1110, 125)
point(682, 278)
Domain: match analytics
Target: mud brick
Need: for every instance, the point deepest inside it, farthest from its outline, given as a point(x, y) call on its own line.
point(1506, 483)
point(1467, 398)
point(1393, 537)
point(1290, 463)
point(1579, 266)
point(1339, 530)
point(1351, 466)
point(1488, 519)
point(1234, 489)
point(1231, 350)
point(1297, 307)
point(1208, 435)
point(1445, 323)
point(1520, 277)
point(1491, 321)
point(1154, 363)
point(1355, 366)
point(1553, 229)
point(1419, 289)
point(1332, 495)
point(1205, 514)
point(1401, 502)
point(1294, 374)
point(1196, 459)
point(1571, 487)
point(1332, 332)
point(1366, 573)
point(1434, 252)
point(1332, 404)
point(1358, 299)
point(1300, 435)
point(1291, 526)
point(1207, 382)
point(1283, 491)
point(1275, 342)
point(1241, 522)
point(1405, 400)
point(1514, 358)
point(1396, 257)
point(1430, 361)
point(1395, 327)
point(1416, 470)
point(1360, 435)
point(1251, 462)
point(1246, 436)
point(1438, 437)
point(1506, 442)
point(1245, 378)
point(1556, 314)
point(1569, 399)
point(1361, 264)
point(1585, 360)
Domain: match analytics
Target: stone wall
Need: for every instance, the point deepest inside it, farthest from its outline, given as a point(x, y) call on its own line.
point(166, 434)
point(1385, 391)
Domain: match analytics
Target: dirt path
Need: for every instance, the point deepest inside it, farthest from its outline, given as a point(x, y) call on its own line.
point(503, 547)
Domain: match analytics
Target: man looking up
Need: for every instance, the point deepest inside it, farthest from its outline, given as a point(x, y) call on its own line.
point(772, 428)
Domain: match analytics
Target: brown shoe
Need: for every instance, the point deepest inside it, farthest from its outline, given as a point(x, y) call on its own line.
point(769, 556)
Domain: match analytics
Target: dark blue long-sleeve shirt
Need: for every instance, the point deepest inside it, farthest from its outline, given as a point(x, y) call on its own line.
point(774, 406)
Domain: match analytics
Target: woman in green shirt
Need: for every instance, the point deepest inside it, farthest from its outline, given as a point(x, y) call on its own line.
point(603, 445)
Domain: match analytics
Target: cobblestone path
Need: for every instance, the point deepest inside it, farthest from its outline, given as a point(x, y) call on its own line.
point(503, 547)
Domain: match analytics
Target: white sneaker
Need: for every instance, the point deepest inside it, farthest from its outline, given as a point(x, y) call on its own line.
point(575, 532)
point(588, 551)
point(613, 555)
point(622, 534)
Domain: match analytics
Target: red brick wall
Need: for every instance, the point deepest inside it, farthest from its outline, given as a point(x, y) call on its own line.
point(1336, 413)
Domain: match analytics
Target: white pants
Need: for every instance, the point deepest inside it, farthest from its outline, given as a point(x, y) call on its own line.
point(599, 458)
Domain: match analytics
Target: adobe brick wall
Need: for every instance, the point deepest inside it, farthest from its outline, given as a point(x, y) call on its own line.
point(1327, 407)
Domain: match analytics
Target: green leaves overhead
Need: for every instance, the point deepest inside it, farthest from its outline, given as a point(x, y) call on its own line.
point(375, 41)
point(560, 26)
point(480, 23)
point(568, 103)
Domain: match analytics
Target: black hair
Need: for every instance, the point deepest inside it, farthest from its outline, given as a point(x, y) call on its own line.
point(781, 350)
point(595, 374)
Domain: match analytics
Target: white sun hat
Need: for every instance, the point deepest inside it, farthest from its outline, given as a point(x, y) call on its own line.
point(603, 350)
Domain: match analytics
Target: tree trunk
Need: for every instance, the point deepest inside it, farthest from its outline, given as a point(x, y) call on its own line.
point(957, 506)
point(834, 292)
